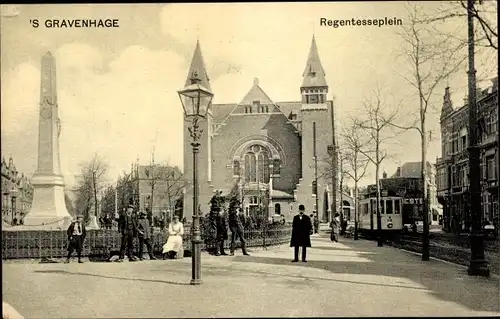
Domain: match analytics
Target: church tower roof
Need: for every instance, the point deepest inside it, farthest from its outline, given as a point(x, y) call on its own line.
point(314, 74)
point(198, 69)
point(447, 104)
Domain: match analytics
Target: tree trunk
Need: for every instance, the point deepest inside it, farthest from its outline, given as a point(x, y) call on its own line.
point(94, 182)
point(425, 204)
point(356, 201)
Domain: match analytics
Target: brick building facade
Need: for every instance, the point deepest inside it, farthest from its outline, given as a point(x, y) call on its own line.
point(262, 149)
point(16, 191)
point(452, 167)
point(163, 196)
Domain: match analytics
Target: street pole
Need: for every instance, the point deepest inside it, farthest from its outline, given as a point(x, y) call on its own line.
point(315, 171)
point(341, 213)
point(196, 239)
point(334, 166)
point(478, 265)
point(380, 240)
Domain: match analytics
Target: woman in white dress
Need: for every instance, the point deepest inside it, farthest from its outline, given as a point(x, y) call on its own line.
point(174, 246)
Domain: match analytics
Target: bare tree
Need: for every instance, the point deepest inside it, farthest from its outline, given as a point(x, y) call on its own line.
point(154, 173)
point(83, 194)
point(377, 120)
point(355, 163)
point(173, 185)
point(483, 11)
point(69, 204)
point(96, 169)
point(432, 60)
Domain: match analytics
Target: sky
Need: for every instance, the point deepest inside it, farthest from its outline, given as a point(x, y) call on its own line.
point(117, 87)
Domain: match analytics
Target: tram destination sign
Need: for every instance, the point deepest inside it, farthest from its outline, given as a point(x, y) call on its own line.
point(413, 201)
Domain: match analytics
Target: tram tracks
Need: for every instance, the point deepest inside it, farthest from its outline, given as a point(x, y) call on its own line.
point(448, 252)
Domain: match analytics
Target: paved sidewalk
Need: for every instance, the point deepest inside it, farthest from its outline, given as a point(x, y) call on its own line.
point(350, 278)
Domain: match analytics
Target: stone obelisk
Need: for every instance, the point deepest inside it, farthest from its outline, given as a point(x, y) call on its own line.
point(48, 209)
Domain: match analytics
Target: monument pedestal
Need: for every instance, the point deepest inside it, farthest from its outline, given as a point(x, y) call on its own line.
point(93, 225)
point(48, 210)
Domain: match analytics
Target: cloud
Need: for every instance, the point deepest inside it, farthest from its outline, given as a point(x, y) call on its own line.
point(121, 113)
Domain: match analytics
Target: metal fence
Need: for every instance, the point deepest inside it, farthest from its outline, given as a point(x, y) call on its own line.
point(105, 242)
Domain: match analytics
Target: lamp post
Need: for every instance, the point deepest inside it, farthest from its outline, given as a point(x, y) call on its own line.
point(13, 197)
point(196, 101)
point(478, 265)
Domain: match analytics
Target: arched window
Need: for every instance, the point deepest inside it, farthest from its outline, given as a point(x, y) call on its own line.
point(236, 168)
point(257, 164)
point(276, 166)
point(277, 209)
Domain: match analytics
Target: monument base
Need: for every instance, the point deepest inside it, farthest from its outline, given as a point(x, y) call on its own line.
point(93, 225)
point(48, 209)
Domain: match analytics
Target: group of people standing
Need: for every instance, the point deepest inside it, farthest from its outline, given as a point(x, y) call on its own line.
point(217, 224)
point(131, 226)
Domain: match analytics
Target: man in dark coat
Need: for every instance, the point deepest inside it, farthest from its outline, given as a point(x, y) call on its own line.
point(237, 229)
point(76, 236)
point(128, 228)
point(301, 228)
point(144, 231)
point(222, 234)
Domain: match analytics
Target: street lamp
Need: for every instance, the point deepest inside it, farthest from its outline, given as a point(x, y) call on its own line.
point(196, 101)
point(478, 265)
point(13, 196)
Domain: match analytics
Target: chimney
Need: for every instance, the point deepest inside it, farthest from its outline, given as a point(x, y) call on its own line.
point(495, 84)
point(384, 175)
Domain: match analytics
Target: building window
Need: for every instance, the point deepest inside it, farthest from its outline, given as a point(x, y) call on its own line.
point(276, 166)
point(236, 168)
point(257, 165)
point(490, 168)
point(454, 176)
point(277, 209)
point(463, 141)
point(257, 106)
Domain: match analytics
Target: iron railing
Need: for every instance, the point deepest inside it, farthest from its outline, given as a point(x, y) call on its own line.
point(54, 244)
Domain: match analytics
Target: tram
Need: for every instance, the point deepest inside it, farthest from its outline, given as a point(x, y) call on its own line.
point(396, 214)
point(390, 215)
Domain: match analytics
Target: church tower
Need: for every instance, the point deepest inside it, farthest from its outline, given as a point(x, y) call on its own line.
point(197, 72)
point(315, 114)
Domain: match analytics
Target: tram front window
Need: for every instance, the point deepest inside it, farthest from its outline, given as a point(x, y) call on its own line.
point(389, 208)
point(397, 207)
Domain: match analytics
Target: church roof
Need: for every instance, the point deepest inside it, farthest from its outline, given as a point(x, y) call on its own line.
point(198, 69)
point(221, 111)
point(411, 170)
point(256, 94)
point(314, 74)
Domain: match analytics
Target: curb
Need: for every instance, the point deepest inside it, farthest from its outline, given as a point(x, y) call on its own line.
point(444, 261)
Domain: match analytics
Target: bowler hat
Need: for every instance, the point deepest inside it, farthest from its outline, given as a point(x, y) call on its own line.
point(302, 207)
point(130, 206)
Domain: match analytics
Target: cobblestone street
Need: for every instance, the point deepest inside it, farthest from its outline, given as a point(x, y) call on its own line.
point(350, 278)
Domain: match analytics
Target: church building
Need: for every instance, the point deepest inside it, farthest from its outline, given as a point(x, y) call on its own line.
point(264, 150)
